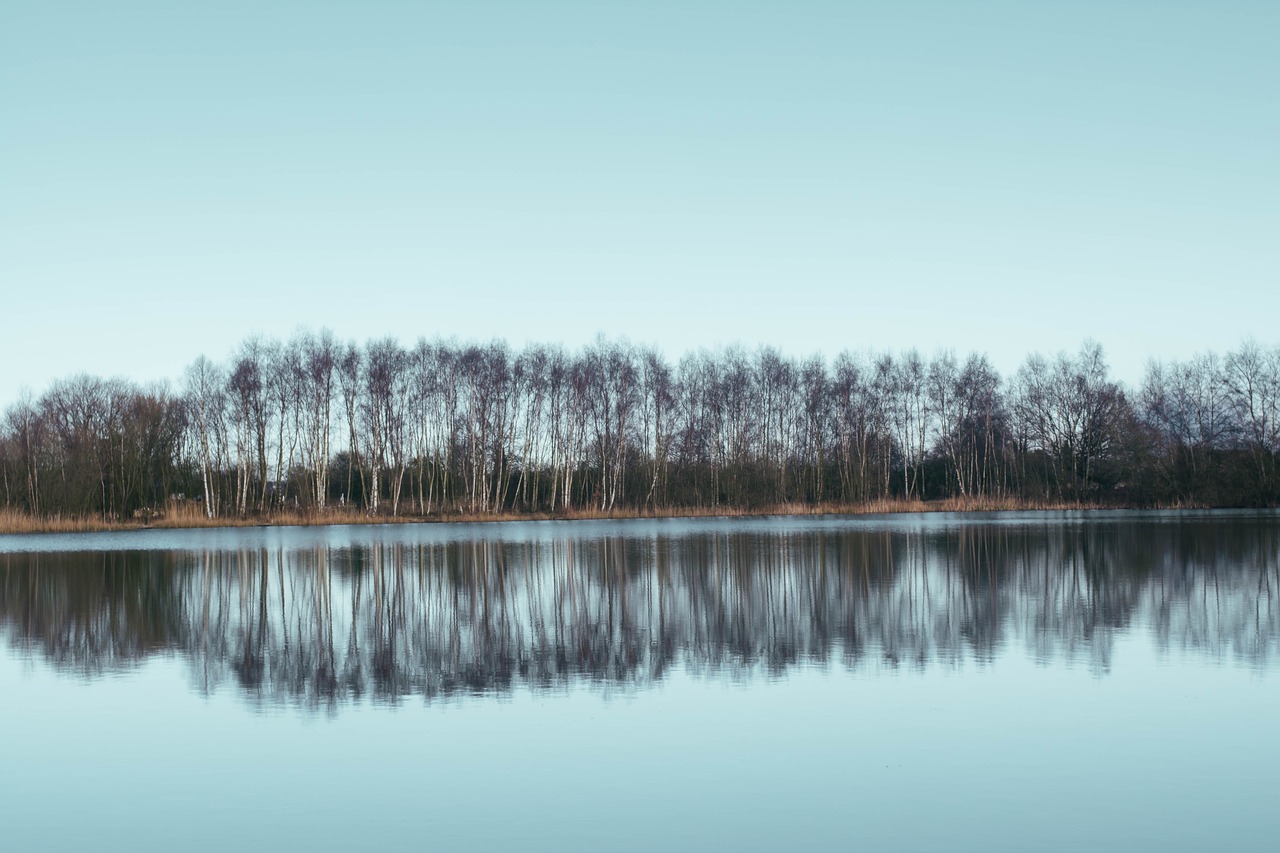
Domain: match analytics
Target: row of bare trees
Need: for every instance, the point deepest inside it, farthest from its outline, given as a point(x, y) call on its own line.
point(1215, 425)
point(444, 427)
point(91, 446)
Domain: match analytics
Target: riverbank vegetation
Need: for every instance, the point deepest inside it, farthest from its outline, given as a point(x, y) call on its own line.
point(189, 514)
point(314, 430)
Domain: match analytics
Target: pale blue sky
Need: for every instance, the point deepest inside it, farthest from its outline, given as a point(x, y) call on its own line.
point(1000, 176)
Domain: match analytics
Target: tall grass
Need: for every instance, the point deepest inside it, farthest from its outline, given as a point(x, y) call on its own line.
point(189, 514)
point(14, 521)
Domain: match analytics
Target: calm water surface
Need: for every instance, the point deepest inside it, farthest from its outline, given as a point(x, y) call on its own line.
point(1038, 681)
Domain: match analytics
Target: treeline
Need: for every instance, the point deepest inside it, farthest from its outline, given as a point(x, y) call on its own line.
point(443, 427)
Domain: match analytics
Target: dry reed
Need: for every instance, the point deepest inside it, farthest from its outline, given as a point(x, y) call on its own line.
point(15, 521)
point(189, 514)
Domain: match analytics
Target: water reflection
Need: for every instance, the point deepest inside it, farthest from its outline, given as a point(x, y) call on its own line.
point(323, 626)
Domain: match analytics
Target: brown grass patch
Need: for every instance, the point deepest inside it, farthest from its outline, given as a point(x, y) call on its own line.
point(14, 521)
point(189, 514)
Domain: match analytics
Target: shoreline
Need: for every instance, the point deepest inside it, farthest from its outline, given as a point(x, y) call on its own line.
point(16, 523)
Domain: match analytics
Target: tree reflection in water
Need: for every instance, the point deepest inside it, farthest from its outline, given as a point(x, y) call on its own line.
point(324, 626)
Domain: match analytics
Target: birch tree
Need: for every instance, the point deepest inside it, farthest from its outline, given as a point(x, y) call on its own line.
point(206, 402)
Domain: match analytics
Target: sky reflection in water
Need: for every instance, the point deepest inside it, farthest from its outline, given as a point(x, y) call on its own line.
point(1044, 683)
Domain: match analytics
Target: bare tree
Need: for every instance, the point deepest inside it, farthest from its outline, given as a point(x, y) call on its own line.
point(348, 369)
point(657, 421)
point(206, 401)
point(1253, 382)
point(319, 360)
point(1069, 412)
point(28, 431)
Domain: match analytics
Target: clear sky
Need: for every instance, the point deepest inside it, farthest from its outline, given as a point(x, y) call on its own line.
point(999, 176)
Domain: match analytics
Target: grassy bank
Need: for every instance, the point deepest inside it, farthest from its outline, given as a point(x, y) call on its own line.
point(12, 521)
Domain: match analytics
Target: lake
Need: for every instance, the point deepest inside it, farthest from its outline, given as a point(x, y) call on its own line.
point(1017, 681)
